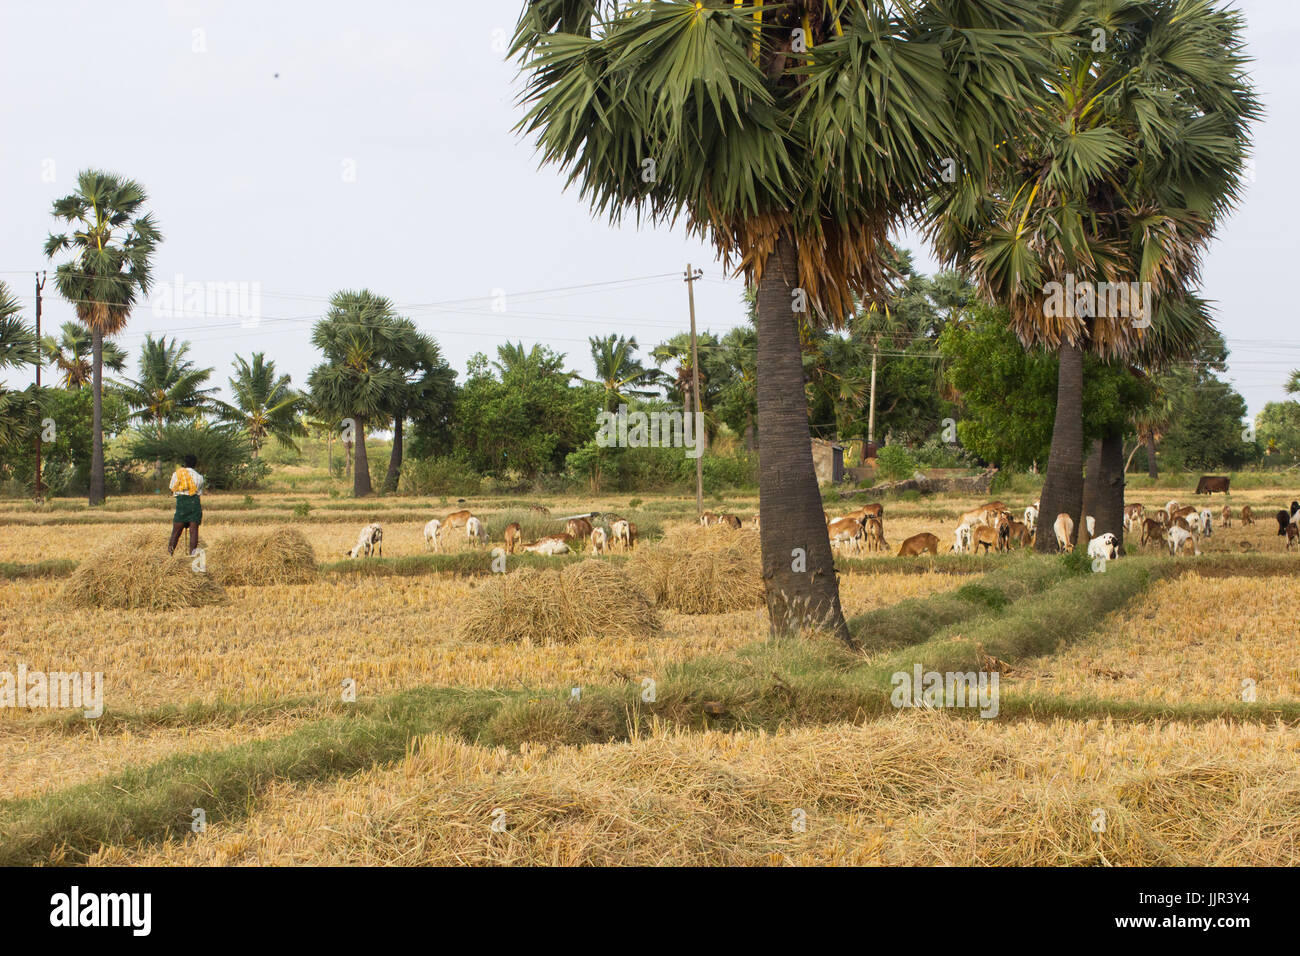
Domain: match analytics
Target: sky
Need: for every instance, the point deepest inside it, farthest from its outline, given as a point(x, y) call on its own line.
point(294, 149)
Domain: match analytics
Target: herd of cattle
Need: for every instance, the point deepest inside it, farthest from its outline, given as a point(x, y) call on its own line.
point(991, 527)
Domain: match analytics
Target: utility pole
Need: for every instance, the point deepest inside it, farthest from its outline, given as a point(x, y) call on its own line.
point(40, 284)
point(691, 276)
point(871, 415)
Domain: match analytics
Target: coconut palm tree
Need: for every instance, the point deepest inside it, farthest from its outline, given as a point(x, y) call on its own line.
point(18, 347)
point(793, 136)
point(1121, 177)
point(170, 388)
point(266, 406)
point(359, 336)
point(71, 354)
point(113, 243)
point(619, 372)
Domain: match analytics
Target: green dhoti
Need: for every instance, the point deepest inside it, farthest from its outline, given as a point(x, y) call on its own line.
point(189, 510)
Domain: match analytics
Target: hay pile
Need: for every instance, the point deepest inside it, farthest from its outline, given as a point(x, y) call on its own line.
point(698, 570)
point(136, 572)
point(278, 556)
point(586, 600)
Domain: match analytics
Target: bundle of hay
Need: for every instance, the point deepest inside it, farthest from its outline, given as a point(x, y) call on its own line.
point(278, 556)
point(137, 572)
point(580, 601)
point(698, 570)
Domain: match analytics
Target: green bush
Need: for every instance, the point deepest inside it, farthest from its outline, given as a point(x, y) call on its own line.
point(225, 459)
point(895, 463)
point(439, 476)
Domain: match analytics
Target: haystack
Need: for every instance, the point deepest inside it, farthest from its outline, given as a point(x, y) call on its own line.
point(277, 556)
point(580, 601)
point(136, 572)
point(698, 570)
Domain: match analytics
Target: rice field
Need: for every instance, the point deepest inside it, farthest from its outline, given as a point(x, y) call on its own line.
point(275, 663)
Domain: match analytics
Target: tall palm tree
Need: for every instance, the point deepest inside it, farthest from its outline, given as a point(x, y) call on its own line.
point(619, 372)
point(266, 406)
point(427, 391)
point(793, 136)
point(1120, 177)
point(71, 355)
point(170, 387)
point(359, 336)
point(18, 347)
point(113, 243)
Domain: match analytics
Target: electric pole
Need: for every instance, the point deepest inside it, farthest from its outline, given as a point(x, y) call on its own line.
point(40, 284)
point(871, 415)
point(691, 276)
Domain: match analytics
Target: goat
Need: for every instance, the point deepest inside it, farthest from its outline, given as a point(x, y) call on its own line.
point(1247, 516)
point(922, 543)
point(513, 535)
point(475, 531)
point(1178, 539)
point(369, 541)
point(599, 541)
point(1104, 546)
point(1064, 531)
point(431, 534)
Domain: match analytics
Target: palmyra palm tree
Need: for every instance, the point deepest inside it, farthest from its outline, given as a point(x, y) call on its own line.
point(266, 406)
point(113, 244)
point(18, 347)
point(1121, 177)
point(71, 354)
point(792, 136)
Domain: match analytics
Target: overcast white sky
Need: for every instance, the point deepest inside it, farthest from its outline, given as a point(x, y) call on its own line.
point(382, 156)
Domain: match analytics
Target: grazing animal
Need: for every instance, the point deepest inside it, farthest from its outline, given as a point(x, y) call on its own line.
point(961, 543)
point(1206, 522)
point(1021, 534)
point(1295, 512)
point(456, 520)
point(1064, 531)
point(1226, 514)
point(1104, 546)
point(599, 541)
point(982, 515)
point(1292, 534)
point(1178, 540)
point(873, 510)
point(1181, 523)
point(1004, 531)
point(631, 534)
point(369, 542)
point(1283, 519)
point(875, 533)
point(539, 509)
point(1152, 530)
point(708, 518)
point(513, 535)
point(621, 532)
point(431, 534)
point(1247, 516)
point(1031, 518)
point(753, 522)
point(846, 531)
point(730, 521)
point(578, 529)
point(984, 536)
point(922, 543)
point(1209, 484)
point(1091, 523)
point(475, 531)
point(550, 545)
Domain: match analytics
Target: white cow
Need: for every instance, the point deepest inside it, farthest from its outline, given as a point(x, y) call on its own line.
point(431, 534)
point(369, 542)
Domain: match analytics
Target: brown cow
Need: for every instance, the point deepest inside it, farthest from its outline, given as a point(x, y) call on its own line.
point(919, 544)
point(1247, 516)
point(1209, 484)
point(578, 529)
point(513, 535)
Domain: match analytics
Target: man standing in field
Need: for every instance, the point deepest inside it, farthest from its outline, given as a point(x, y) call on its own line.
point(186, 486)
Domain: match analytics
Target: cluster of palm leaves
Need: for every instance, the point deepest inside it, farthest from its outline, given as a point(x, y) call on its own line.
point(18, 347)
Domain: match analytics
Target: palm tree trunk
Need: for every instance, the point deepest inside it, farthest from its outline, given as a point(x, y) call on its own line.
point(395, 459)
point(798, 566)
point(1152, 471)
point(1063, 486)
point(1091, 493)
point(97, 419)
point(360, 467)
point(1109, 495)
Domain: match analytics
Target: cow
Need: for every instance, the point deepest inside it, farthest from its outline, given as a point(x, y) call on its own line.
point(923, 543)
point(1178, 540)
point(1247, 516)
point(513, 535)
point(551, 545)
point(1209, 484)
point(431, 534)
point(599, 541)
point(875, 534)
point(475, 530)
point(846, 531)
point(579, 529)
point(1064, 531)
point(1104, 546)
point(369, 542)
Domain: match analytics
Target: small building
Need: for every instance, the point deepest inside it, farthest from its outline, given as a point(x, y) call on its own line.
point(828, 461)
